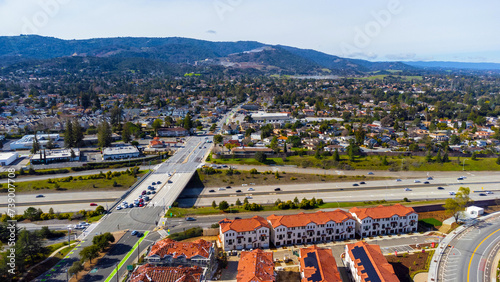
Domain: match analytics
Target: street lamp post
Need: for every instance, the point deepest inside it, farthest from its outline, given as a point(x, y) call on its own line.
point(463, 165)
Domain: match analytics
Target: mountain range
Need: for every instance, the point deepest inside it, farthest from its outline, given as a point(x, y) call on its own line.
point(165, 53)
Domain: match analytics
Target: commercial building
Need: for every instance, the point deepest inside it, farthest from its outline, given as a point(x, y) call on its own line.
point(151, 273)
point(246, 233)
point(26, 142)
point(118, 153)
point(172, 131)
point(168, 252)
point(256, 265)
point(8, 158)
point(318, 265)
point(262, 117)
point(384, 220)
point(366, 262)
point(311, 227)
point(57, 155)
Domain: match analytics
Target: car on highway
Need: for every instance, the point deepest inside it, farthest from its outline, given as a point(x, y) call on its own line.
point(248, 197)
point(40, 196)
point(440, 188)
point(238, 191)
point(370, 173)
point(452, 193)
point(211, 191)
point(250, 189)
point(224, 166)
point(355, 184)
point(488, 192)
point(228, 187)
point(362, 182)
point(93, 204)
point(398, 180)
point(460, 178)
point(482, 194)
point(416, 181)
point(407, 189)
point(427, 182)
point(169, 181)
point(190, 219)
point(430, 178)
point(222, 189)
point(134, 232)
point(277, 189)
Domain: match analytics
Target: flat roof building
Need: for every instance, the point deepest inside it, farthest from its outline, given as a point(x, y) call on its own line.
point(57, 155)
point(118, 153)
point(8, 158)
point(26, 142)
point(262, 117)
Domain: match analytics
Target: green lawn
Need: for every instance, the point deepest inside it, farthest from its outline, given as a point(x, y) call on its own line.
point(432, 221)
point(82, 183)
point(414, 163)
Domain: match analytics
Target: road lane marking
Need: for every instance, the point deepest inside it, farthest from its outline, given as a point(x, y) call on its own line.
point(474, 252)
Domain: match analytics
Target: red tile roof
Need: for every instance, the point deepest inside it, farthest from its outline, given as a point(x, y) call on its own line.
point(327, 267)
point(302, 219)
point(243, 225)
point(188, 249)
point(382, 211)
point(383, 269)
point(256, 266)
point(149, 273)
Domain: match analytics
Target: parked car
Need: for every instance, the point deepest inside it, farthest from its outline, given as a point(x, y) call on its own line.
point(143, 192)
point(154, 183)
point(159, 182)
point(153, 192)
point(134, 233)
point(118, 207)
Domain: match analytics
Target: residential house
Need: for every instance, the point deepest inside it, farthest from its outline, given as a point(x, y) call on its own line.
point(256, 265)
point(318, 265)
point(247, 233)
point(366, 262)
point(383, 220)
point(150, 273)
point(311, 227)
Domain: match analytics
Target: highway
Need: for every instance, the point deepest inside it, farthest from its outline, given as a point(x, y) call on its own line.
point(469, 256)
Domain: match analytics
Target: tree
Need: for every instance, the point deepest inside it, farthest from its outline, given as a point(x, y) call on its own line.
point(452, 208)
point(75, 268)
point(29, 244)
point(218, 139)
point(413, 147)
point(336, 156)
point(438, 157)
point(32, 214)
point(89, 253)
point(498, 160)
point(428, 157)
point(68, 135)
point(214, 204)
point(104, 134)
point(156, 125)
point(36, 145)
point(187, 122)
point(260, 157)
point(238, 202)
point(446, 158)
point(223, 205)
point(50, 144)
point(77, 134)
point(245, 202)
point(116, 115)
point(274, 144)
point(102, 241)
point(474, 156)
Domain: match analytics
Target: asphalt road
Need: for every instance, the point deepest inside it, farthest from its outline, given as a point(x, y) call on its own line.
point(468, 257)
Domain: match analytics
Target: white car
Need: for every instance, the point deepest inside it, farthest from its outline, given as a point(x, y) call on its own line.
point(222, 189)
point(118, 208)
point(250, 189)
point(452, 193)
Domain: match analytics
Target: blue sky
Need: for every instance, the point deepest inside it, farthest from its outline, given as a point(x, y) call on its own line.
point(376, 30)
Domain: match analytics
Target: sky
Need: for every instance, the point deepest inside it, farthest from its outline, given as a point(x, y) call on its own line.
point(376, 30)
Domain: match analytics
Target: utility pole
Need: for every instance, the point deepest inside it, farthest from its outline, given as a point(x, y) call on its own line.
point(116, 266)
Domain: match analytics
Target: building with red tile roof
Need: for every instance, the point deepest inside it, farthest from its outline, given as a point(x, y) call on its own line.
point(246, 233)
point(311, 227)
point(367, 263)
point(150, 273)
point(318, 265)
point(382, 220)
point(170, 252)
point(256, 266)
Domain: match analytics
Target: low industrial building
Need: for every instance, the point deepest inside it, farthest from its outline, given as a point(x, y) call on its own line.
point(366, 262)
point(26, 142)
point(55, 156)
point(262, 117)
point(318, 265)
point(119, 153)
point(8, 158)
point(172, 131)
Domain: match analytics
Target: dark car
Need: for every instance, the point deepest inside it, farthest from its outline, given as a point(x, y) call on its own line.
point(482, 194)
point(355, 184)
point(440, 188)
point(238, 191)
point(153, 192)
point(237, 217)
point(211, 191)
point(144, 192)
point(134, 233)
point(277, 189)
point(158, 182)
point(426, 182)
point(148, 193)
point(190, 219)
point(228, 187)
point(362, 182)
point(139, 234)
point(154, 183)
point(40, 196)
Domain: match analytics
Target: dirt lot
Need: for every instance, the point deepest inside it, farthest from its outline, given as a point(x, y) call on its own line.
point(289, 274)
